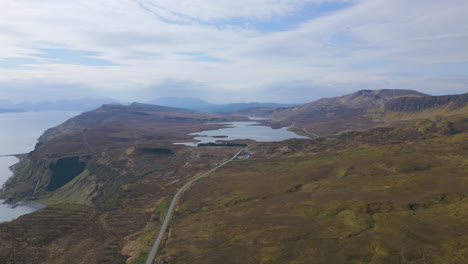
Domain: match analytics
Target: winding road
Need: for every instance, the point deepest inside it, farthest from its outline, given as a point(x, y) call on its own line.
point(167, 219)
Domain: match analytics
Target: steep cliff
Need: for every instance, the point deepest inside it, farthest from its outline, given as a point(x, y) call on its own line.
point(334, 108)
point(412, 104)
point(393, 194)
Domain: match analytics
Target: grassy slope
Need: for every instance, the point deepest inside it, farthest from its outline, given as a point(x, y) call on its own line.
point(365, 109)
point(444, 110)
point(121, 188)
point(399, 203)
point(374, 204)
point(130, 166)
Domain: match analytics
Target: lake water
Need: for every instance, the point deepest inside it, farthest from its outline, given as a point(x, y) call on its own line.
point(18, 134)
point(242, 130)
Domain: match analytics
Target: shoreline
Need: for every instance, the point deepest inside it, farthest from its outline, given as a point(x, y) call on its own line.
point(34, 205)
point(11, 168)
point(29, 204)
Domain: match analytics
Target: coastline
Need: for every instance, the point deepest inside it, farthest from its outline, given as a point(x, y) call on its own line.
point(34, 205)
point(11, 206)
point(12, 168)
point(15, 150)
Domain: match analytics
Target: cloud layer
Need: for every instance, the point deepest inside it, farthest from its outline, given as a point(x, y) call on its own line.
point(231, 50)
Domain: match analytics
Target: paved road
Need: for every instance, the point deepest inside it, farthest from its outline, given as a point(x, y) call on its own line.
point(167, 219)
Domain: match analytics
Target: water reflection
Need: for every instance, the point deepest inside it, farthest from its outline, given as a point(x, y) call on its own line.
point(242, 130)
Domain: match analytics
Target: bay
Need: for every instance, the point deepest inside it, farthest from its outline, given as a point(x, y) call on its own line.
point(18, 134)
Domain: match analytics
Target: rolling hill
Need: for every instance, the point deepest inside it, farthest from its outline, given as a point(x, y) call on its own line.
point(334, 108)
point(365, 109)
point(137, 115)
point(200, 105)
point(385, 183)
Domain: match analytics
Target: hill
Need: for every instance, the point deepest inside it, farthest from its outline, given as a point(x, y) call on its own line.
point(414, 104)
point(70, 147)
point(182, 102)
point(394, 193)
point(137, 114)
point(365, 109)
point(102, 173)
point(426, 106)
point(200, 105)
point(382, 196)
point(336, 107)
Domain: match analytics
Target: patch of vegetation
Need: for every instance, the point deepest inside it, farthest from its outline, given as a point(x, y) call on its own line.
point(163, 151)
point(295, 188)
point(140, 113)
point(398, 203)
point(64, 170)
point(34, 238)
point(145, 240)
point(162, 208)
point(84, 182)
point(300, 131)
point(141, 259)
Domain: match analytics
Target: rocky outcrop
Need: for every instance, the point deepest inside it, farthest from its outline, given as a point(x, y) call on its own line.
point(412, 104)
point(334, 108)
point(384, 94)
point(329, 116)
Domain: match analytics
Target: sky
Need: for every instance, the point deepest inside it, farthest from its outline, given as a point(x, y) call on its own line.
point(288, 51)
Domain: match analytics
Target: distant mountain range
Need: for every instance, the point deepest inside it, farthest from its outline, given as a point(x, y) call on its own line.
point(87, 104)
point(2, 111)
point(84, 104)
point(200, 105)
point(380, 184)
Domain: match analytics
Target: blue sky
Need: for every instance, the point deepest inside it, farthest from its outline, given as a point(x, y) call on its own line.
point(57, 56)
point(246, 50)
point(287, 21)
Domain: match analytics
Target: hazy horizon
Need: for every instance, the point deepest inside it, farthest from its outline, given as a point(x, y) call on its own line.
point(111, 100)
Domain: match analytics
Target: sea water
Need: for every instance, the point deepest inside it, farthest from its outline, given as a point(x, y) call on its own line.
point(18, 134)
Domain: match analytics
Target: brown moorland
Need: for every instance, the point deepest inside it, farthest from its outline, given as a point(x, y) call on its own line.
point(365, 109)
point(105, 176)
point(390, 194)
point(393, 195)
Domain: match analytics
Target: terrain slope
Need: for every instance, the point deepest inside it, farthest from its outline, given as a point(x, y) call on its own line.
point(385, 183)
point(365, 109)
point(105, 176)
point(386, 195)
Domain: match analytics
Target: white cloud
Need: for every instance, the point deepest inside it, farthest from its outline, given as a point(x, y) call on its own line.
point(207, 10)
point(146, 37)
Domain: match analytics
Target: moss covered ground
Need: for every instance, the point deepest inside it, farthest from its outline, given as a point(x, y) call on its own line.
point(396, 203)
point(382, 195)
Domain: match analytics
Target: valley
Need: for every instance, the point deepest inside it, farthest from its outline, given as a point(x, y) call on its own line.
point(379, 177)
